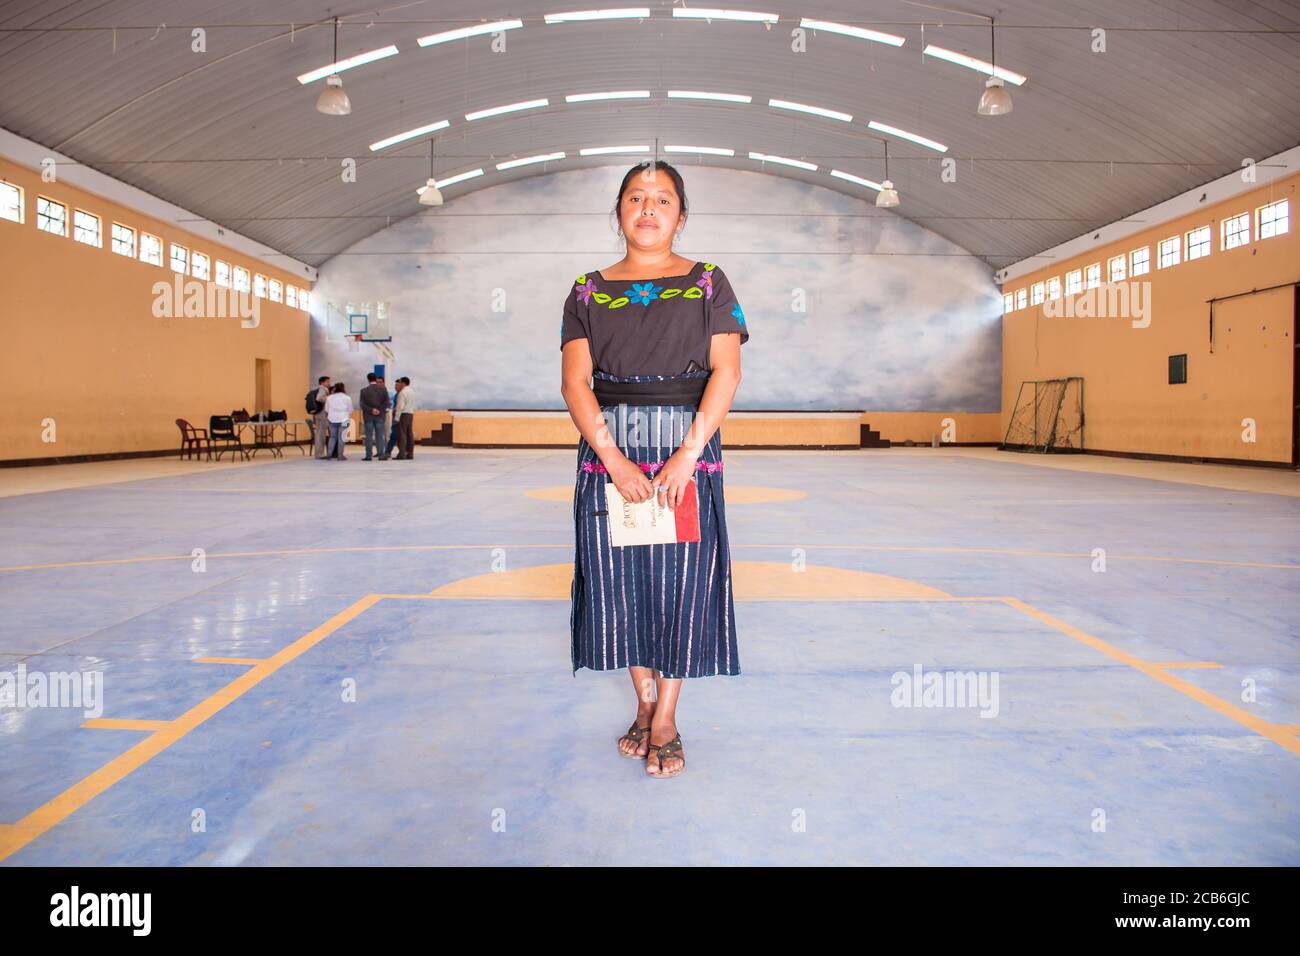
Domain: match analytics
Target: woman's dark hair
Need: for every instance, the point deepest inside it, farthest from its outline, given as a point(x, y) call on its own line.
point(649, 168)
point(338, 387)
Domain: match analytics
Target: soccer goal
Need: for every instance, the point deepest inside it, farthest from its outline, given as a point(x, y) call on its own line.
point(1047, 416)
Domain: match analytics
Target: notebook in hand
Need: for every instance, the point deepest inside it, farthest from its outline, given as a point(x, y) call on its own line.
point(644, 522)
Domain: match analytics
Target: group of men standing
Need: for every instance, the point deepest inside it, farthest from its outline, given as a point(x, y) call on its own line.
point(388, 419)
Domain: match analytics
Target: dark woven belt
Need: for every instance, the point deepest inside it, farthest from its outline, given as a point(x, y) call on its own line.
point(680, 391)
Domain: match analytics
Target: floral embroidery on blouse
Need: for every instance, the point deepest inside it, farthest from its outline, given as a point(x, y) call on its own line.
point(643, 292)
point(706, 280)
point(585, 288)
point(649, 466)
point(738, 314)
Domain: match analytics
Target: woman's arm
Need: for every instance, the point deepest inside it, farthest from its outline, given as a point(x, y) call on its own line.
point(576, 367)
point(724, 358)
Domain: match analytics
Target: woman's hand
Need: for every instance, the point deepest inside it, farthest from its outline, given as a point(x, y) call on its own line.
point(673, 477)
point(629, 479)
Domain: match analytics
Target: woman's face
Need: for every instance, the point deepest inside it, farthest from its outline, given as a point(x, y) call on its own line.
point(650, 211)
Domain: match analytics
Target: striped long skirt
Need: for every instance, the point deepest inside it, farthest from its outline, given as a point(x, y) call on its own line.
point(664, 606)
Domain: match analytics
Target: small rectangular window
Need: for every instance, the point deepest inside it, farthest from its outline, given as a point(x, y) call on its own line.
point(51, 216)
point(1092, 275)
point(200, 266)
point(180, 259)
point(1037, 293)
point(1022, 298)
point(1274, 219)
point(223, 273)
point(1178, 370)
point(241, 279)
point(1198, 243)
point(275, 290)
point(1115, 270)
point(86, 228)
point(1235, 231)
point(304, 300)
point(1074, 282)
point(291, 296)
point(1008, 303)
point(259, 285)
point(1054, 287)
point(11, 202)
point(150, 249)
point(123, 240)
point(1170, 252)
point(1139, 261)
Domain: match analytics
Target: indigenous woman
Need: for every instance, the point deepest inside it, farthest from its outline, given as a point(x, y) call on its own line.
point(651, 363)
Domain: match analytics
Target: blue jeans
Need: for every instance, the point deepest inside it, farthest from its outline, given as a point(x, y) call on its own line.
point(338, 432)
point(375, 435)
point(392, 438)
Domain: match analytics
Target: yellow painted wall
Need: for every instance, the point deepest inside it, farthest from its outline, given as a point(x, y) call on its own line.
point(1129, 405)
point(84, 348)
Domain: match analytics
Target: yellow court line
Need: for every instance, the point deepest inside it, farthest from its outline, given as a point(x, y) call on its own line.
point(900, 549)
point(251, 661)
point(15, 836)
point(115, 723)
point(1265, 728)
point(1185, 665)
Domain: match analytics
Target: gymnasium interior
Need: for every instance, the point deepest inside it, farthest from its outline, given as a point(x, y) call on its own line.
point(1011, 473)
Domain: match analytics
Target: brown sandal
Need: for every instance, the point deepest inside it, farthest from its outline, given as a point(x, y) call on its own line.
point(671, 749)
point(634, 734)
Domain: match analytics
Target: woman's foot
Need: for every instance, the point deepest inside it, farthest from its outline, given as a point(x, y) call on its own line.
point(665, 752)
point(636, 742)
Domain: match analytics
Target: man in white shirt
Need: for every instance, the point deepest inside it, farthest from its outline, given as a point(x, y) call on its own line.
point(405, 413)
point(338, 408)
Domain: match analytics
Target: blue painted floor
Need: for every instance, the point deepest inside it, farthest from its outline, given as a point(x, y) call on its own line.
point(470, 742)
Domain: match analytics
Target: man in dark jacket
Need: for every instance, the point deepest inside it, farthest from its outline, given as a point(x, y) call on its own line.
point(374, 405)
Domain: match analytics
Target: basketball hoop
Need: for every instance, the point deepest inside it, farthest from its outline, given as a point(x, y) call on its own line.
point(354, 343)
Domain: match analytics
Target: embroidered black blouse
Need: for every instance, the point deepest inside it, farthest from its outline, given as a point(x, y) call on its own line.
point(652, 326)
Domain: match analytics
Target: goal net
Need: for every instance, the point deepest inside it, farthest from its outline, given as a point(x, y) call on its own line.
point(1048, 416)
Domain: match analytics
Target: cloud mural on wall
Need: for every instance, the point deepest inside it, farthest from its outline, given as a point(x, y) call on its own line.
point(896, 318)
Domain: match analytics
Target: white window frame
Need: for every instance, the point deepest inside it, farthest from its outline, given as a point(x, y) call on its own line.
point(1201, 242)
point(259, 285)
point(120, 245)
point(223, 275)
point(18, 206)
point(1117, 268)
point(304, 299)
point(1092, 276)
point(1037, 293)
point(1234, 232)
point(1134, 262)
point(1053, 288)
point(1074, 282)
point(241, 278)
point(1022, 298)
point(291, 296)
point(154, 254)
point(275, 290)
point(1167, 257)
point(1272, 209)
point(1008, 303)
point(43, 216)
point(205, 272)
point(184, 258)
point(82, 231)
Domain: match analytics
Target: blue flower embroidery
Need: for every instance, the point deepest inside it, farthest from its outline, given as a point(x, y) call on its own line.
point(643, 292)
point(737, 314)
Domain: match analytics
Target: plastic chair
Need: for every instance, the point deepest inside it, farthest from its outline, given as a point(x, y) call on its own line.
point(193, 440)
point(221, 428)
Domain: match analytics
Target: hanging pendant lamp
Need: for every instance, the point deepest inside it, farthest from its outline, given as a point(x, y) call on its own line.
point(888, 195)
point(995, 100)
point(333, 101)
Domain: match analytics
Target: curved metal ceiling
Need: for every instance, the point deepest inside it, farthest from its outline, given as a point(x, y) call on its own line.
point(1183, 91)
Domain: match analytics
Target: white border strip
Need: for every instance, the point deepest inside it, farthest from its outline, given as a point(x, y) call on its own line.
point(27, 153)
point(1225, 187)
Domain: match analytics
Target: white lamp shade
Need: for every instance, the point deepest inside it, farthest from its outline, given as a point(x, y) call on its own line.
point(429, 194)
point(996, 100)
point(333, 101)
point(888, 195)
